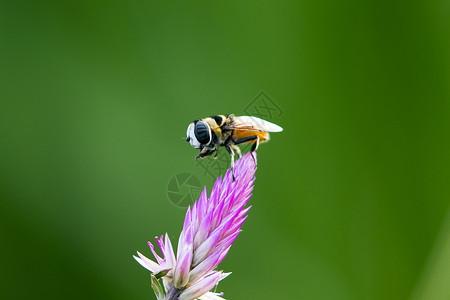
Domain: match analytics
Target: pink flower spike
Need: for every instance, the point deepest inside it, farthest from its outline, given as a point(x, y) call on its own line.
point(210, 227)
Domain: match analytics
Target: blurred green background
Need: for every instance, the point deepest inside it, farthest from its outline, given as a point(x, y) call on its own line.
point(350, 200)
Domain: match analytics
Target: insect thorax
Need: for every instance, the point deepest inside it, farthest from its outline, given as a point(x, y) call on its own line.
point(219, 133)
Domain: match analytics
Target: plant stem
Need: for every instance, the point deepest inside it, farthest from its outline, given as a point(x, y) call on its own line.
point(173, 294)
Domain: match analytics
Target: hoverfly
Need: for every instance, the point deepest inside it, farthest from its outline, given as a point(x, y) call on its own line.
point(210, 133)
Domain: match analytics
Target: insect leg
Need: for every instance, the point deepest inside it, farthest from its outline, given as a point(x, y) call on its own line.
point(217, 153)
point(254, 148)
point(208, 153)
point(246, 139)
point(237, 149)
point(205, 152)
point(202, 152)
point(232, 160)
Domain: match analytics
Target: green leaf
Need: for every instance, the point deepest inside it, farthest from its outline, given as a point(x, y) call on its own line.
point(158, 288)
point(161, 273)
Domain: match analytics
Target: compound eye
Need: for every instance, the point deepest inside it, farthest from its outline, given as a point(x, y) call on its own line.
point(202, 132)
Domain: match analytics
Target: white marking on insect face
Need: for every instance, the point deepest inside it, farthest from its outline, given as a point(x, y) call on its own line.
point(191, 136)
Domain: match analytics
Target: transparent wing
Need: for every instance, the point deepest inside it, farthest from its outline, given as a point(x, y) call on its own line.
point(253, 124)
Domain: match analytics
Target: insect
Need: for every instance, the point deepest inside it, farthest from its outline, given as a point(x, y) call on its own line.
point(210, 133)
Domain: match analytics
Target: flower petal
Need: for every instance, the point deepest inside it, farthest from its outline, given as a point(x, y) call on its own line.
point(203, 230)
point(224, 275)
point(147, 263)
point(158, 259)
point(204, 267)
point(205, 248)
point(170, 256)
point(183, 264)
point(201, 287)
point(211, 296)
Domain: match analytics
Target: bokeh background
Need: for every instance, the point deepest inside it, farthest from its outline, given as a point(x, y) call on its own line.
point(351, 200)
